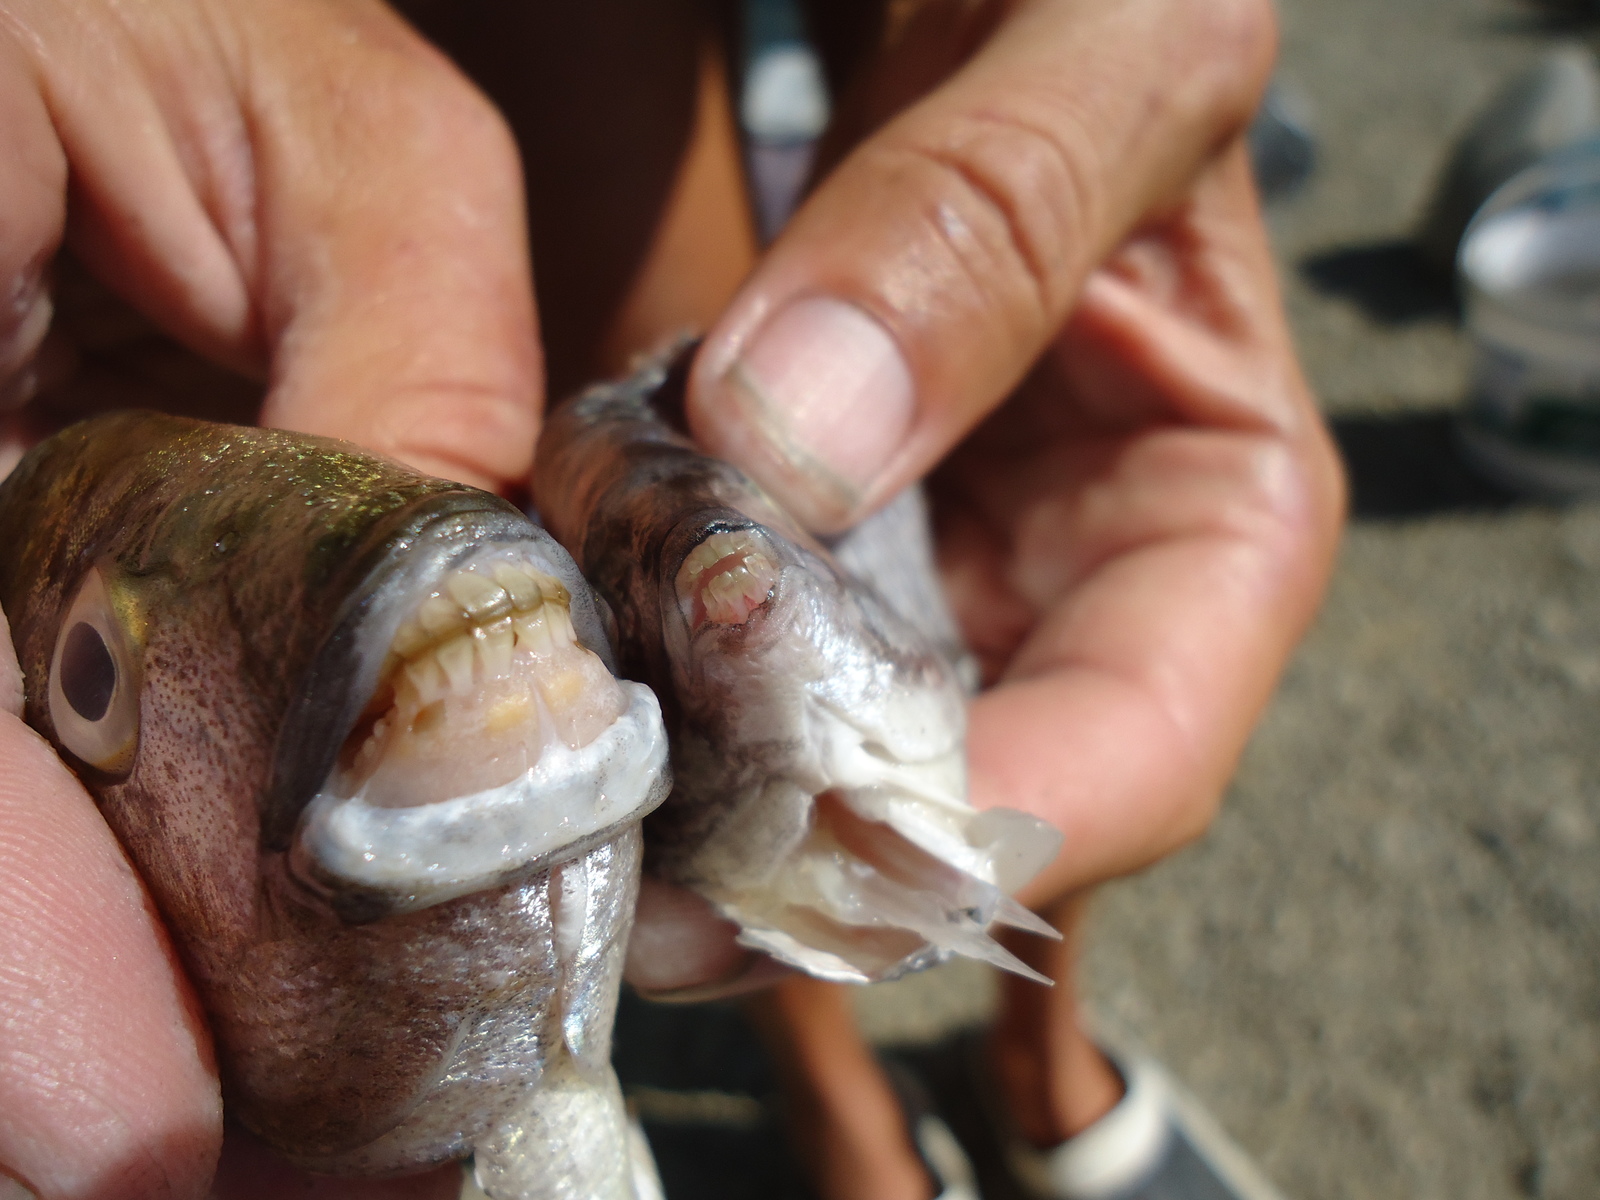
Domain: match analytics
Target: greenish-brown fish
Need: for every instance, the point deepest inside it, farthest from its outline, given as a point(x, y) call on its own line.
point(356, 729)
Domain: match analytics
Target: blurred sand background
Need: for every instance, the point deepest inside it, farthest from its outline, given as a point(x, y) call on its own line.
point(1381, 970)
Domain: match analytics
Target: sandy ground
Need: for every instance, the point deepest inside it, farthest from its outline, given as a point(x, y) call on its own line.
point(1382, 968)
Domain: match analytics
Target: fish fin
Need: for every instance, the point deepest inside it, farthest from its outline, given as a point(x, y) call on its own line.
point(1009, 912)
point(1007, 961)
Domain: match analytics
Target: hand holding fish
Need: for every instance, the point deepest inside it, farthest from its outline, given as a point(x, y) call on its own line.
point(1043, 276)
point(1048, 268)
point(1138, 503)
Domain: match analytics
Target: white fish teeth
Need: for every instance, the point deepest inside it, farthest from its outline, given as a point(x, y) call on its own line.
point(561, 629)
point(519, 584)
point(408, 640)
point(533, 633)
point(732, 593)
point(480, 599)
point(470, 600)
point(439, 615)
point(455, 656)
point(495, 645)
point(427, 679)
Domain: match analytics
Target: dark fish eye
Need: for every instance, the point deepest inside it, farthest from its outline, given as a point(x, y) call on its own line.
point(94, 681)
point(88, 672)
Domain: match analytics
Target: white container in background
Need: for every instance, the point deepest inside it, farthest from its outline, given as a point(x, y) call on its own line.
point(1529, 266)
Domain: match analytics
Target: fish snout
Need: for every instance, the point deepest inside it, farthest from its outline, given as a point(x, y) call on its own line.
point(495, 744)
point(726, 577)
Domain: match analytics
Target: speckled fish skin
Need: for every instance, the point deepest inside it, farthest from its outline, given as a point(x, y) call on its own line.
point(824, 690)
point(260, 574)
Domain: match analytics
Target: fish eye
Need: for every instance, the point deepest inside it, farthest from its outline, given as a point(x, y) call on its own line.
point(94, 684)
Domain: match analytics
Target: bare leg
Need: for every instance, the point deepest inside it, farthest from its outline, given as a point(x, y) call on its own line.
point(844, 1117)
point(1053, 1079)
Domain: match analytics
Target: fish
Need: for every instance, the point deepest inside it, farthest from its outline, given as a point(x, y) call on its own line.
point(817, 730)
point(360, 733)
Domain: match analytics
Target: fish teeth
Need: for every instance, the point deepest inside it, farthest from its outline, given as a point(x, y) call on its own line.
point(495, 644)
point(520, 584)
point(470, 598)
point(427, 679)
point(439, 615)
point(730, 594)
point(533, 633)
point(480, 599)
point(409, 640)
point(561, 630)
point(455, 656)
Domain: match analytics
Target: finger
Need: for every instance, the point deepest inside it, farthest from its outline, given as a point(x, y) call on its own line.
point(681, 950)
point(310, 191)
point(918, 284)
point(33, 195)
point(1170, 566)
point(106, 1085)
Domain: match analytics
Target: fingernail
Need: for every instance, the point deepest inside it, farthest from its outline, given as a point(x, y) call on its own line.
point(814, 408)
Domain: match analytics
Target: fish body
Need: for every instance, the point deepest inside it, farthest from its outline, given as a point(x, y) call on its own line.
point(817, 733)
point(356, 730)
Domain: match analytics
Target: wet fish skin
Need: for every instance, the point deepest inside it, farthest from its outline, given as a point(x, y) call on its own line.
point(258, 577)
point(825, 687)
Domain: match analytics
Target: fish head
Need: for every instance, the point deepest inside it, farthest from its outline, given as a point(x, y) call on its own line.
point(819, 742)
point(342, 717)
point(795, 681)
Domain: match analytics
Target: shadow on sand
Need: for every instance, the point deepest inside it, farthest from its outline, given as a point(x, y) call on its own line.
point(1411, 465)
point(1389, 281)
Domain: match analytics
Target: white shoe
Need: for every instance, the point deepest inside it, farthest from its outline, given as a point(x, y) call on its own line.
point(1156, 1144)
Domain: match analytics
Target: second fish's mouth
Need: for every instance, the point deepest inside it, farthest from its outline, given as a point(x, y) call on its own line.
point(726, 577)
point(480, 679)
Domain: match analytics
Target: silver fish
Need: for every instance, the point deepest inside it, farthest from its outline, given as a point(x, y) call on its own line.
point(357, 730)
point(817, 734)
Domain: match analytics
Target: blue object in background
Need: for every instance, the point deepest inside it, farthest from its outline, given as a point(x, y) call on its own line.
point(1530, 279)
point(783, 109)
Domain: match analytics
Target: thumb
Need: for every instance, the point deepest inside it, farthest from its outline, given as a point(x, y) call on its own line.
point(920, 282)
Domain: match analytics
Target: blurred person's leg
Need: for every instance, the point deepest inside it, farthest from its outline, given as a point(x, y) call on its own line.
point(843, 1116)
point(1052, 1079)
point(1046, 1076)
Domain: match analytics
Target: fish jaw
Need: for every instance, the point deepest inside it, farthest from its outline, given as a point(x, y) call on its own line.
point(858, 866)
point(828, 740)
point(495, 744)
point(382, 859)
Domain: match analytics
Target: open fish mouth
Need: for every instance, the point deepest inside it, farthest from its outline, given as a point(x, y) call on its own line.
point(494, 744)
point(726, 578)
point(875, 865)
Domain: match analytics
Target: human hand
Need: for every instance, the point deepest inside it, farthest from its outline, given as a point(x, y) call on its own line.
point(307, 192)
point(1050, 271)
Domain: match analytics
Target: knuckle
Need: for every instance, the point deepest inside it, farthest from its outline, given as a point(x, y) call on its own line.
point(1238, 42)
point(455, 119)
point(1009, 198)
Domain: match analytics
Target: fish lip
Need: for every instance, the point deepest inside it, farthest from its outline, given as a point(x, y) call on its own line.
point(371, 862)
point(415, 546)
